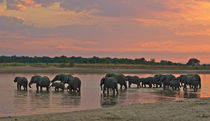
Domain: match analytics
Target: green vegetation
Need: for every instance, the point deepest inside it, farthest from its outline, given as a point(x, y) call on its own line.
point(80, 60)
point(193, 62)
point(98, 63)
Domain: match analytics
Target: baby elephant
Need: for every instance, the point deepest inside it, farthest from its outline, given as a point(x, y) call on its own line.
point(21, 81)
point(58, 85)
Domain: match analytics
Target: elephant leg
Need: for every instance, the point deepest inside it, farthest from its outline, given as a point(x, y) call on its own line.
point(117, 91)
point(104, 90)
point(37, 87)
point(20, 87)
point(199, 84)
point(41, 88)
point(125, 86)
point(195, 89)
point(113, 91)
point(26, 87)
point(129, 85)
point(47, 88)
point(79, 89)
point(164, 86)
point(107, 91)
point(150, 86)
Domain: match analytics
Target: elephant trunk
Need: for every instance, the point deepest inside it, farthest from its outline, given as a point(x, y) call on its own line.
point(101, 86)
point(29, 84)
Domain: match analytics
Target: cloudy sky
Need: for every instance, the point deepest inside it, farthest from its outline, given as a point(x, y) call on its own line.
point(173, 30)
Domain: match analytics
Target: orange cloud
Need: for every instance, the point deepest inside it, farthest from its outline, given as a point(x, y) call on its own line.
point(180, 13)
point(28, 2)
point(54, 16)
point(20, 7)
point(173, 46)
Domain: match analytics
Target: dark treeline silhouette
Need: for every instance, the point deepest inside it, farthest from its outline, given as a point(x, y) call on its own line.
point(82, 60)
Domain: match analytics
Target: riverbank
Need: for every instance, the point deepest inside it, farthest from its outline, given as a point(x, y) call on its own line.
point(187, 110)
point(98, 70)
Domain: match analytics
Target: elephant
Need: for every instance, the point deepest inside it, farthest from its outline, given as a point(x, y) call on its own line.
point(120, 79)
point(157, 82)
point(174, 84)
point(198, 78)
point(165, 79)
point(40, 82)
point(133, 80)
point(74, 84)
point(58, 85)
point(62, 77)
point(190, 80)
point(181, 80)
point(147, 81)
point(21, 81)
point(109, 83)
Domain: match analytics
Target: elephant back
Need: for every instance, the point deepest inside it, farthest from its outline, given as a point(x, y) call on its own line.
point(24, 80)
point(110, 82)
point(21, 80)
point(120, 77)
point(44, 81)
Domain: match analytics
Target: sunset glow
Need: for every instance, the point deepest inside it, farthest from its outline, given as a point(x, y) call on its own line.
point(173, 30)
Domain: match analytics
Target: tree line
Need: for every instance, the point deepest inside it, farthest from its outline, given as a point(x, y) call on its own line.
point(92, 60)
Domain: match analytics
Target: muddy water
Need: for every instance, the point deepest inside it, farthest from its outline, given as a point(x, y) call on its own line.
point(13, 102)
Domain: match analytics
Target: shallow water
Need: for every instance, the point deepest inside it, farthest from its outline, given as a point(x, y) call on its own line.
point(13, 102)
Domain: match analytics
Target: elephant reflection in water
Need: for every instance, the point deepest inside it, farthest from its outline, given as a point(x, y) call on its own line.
point(20, 100)
point(39, 100)
point(188, 94)
point(107, 101)
point(68, 99)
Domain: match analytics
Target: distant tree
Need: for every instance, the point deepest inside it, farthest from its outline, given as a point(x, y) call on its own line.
point(65, 61)
point(193, 62)
point(140, 61)
point(36, 60)
point(152, 60)
point(71, 63)
point(165, 62)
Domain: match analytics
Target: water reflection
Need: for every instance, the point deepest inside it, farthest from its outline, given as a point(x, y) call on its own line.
point(179, 94)
point(91, 97)
point(107, 100)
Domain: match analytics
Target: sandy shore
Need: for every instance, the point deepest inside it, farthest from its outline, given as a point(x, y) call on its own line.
point(188, 110)
point(92, 70)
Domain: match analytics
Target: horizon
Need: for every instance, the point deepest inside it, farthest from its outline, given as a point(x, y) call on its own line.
point(173, 30)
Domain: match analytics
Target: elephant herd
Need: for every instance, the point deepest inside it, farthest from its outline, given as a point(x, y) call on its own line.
point(58, 82)
point(111, 81)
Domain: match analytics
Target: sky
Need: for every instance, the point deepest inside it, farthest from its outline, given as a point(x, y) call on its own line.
point(174, 30)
